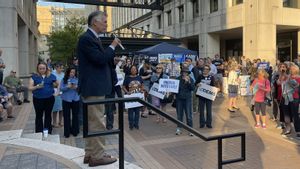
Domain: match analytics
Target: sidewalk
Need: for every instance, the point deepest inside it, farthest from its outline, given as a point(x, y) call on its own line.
point(156, 145)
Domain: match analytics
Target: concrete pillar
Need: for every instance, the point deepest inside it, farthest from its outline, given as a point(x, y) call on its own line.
point(259, 33)
point(209, 45)
point(24, 44)
point(9, 35)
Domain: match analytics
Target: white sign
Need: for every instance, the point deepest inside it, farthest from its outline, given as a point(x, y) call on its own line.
point(120, 79)
point(245, 85)
point(154, 91)
point(129, 105)
point(165, 57)
point(207, 91)
point(168, 85)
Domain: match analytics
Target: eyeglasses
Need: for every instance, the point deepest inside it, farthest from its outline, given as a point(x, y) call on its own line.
point(158, 67)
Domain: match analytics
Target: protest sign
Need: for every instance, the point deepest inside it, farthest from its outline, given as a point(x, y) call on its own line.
point(154, 91)
point(168, 85)
point(120, 79)
point(245, 85)
point(263, 65)
point(165, 57)
point(129, 105)
point(207, 91)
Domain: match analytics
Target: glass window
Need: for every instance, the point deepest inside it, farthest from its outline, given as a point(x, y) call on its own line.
point(195, 8)
point(159, 21)
point(286, 3)
point(181, 13)
point(236, 2)
point(213, 6)
point(169, 18)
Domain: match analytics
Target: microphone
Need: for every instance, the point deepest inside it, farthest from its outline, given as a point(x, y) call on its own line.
point(115, 36)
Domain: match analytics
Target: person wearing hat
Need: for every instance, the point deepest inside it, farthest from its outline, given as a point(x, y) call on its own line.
point(14, 85)
point(184, 98)
point(173, 69)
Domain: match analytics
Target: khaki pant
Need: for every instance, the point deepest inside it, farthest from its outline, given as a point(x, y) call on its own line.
point(94, 146)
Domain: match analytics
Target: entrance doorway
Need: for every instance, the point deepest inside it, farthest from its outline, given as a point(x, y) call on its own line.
point(284, 51)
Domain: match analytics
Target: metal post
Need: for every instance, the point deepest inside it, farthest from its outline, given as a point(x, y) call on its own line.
point(243, 146)
point(85, 120)
point(121, 136)
point(220, 153)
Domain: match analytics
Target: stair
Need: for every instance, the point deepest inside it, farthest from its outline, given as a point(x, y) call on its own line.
point(52, 145)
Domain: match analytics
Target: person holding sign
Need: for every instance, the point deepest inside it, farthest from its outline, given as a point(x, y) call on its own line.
point(204, 102)
point(133, 84)
point(184, 98)
point(155, 100)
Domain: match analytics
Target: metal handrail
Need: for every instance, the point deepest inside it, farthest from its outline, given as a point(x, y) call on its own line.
point(120, 130)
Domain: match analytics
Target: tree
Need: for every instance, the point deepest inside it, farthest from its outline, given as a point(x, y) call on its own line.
point(62, 43)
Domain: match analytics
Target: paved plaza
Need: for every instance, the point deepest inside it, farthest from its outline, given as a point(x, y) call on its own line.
point(155, 146)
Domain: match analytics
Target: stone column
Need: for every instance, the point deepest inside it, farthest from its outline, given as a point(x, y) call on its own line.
point(24, 44)
point(259, 33)
point(209, 45)
point(9, 35)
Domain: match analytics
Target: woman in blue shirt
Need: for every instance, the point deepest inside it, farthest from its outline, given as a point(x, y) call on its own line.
point(70, 97)
point(42, 85)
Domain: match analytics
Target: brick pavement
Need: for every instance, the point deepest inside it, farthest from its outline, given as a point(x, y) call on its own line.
point(157, 146)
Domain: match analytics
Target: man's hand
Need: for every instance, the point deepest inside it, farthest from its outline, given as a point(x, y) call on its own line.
point(115, 42)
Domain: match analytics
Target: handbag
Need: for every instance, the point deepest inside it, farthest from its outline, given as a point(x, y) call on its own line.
point(233, 88)
point(168, 98)
point(268, 100)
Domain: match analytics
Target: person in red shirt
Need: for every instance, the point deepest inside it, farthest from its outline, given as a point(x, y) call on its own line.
point(261, 87)
point(291, 113)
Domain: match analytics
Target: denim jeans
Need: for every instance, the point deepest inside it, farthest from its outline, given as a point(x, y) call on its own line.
point(133, 117)
point(184, 106)
point(203, 102)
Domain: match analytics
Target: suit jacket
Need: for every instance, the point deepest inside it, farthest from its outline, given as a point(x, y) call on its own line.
point(95, 78)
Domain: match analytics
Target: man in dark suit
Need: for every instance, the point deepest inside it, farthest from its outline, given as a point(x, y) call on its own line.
point(95, 81)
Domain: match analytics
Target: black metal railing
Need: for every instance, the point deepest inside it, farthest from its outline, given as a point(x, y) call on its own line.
point(120, 130)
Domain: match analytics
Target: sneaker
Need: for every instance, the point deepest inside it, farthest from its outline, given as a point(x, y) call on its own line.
point(178, 132)
point(191, 134)
point(257, 125)
point(264, 126)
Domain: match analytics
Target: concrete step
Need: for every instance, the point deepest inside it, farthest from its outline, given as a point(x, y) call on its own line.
point(52, 146)
point(35, 136)
point(52, 138)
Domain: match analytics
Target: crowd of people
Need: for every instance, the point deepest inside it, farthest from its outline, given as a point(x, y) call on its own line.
point(276, 85)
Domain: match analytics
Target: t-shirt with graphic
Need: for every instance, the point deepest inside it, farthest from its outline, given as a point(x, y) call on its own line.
point(218, 63)
point(209, 80)
point(133, 84)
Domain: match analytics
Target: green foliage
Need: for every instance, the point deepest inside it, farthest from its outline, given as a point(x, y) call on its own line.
point(62, 43)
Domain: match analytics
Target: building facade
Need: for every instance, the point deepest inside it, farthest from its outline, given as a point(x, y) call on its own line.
point(266, 29)
point(18, 32)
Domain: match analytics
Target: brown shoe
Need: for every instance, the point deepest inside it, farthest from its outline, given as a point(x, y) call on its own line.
point(87, 158)
point(101, 161)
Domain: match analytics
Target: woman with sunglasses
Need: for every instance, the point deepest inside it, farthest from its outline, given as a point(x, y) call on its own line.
point(184, 98)
point(203, 102)
point(155, 100)
point(42, 86)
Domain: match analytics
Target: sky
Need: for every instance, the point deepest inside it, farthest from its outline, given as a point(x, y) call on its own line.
point(57, 4)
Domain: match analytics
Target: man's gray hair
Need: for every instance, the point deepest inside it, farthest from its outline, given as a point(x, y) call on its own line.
point(92, 16)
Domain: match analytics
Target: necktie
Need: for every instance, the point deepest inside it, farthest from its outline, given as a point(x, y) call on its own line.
point(100, 43)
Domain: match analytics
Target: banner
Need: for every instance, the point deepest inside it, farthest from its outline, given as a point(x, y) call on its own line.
point(129, 105)
point(168, 85)
point(120, 79)
point(245, 85)
point(263, 65)
point(154, 91)
point(165, 57)
point(207, 91)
